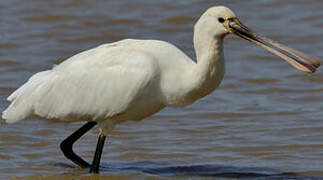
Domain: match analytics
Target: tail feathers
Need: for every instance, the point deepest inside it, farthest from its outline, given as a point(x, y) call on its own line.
point(23, 98)
point(16, 112)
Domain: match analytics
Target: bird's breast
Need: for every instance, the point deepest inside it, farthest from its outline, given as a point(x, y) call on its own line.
point(204, 85)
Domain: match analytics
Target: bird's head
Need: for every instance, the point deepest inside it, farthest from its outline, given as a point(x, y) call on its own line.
point(219, 21)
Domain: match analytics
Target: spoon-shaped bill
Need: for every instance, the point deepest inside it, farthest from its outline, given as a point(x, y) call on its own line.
point(299, 60)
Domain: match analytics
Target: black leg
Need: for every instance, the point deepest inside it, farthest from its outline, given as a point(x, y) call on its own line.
point(97, 156)
point(67, 145)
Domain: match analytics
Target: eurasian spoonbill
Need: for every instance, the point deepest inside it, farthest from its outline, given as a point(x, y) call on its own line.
point(133, 79)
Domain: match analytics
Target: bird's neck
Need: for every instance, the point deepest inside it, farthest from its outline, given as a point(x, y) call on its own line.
point(209, 70)
point(204, 76)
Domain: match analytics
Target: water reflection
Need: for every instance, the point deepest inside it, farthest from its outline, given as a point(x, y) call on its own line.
point(184, 171)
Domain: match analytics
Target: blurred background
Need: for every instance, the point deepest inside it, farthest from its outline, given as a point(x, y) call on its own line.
point(265, 113)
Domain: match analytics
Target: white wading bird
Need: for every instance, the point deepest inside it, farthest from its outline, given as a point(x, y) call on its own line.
point(133, 79)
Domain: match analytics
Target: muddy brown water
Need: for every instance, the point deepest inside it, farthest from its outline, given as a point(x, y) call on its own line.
point(264, 121)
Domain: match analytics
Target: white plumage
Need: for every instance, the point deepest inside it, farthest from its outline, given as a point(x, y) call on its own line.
point(133, 79)
point(125, 80)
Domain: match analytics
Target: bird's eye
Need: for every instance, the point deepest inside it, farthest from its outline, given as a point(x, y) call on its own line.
point(221, 20)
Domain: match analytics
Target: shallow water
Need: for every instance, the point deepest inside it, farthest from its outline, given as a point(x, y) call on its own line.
point(264, 121)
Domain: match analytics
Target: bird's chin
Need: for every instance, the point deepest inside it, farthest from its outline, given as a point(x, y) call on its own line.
point(299, 60)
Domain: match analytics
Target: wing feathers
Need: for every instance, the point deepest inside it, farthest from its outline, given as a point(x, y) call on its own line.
point(80, 90)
